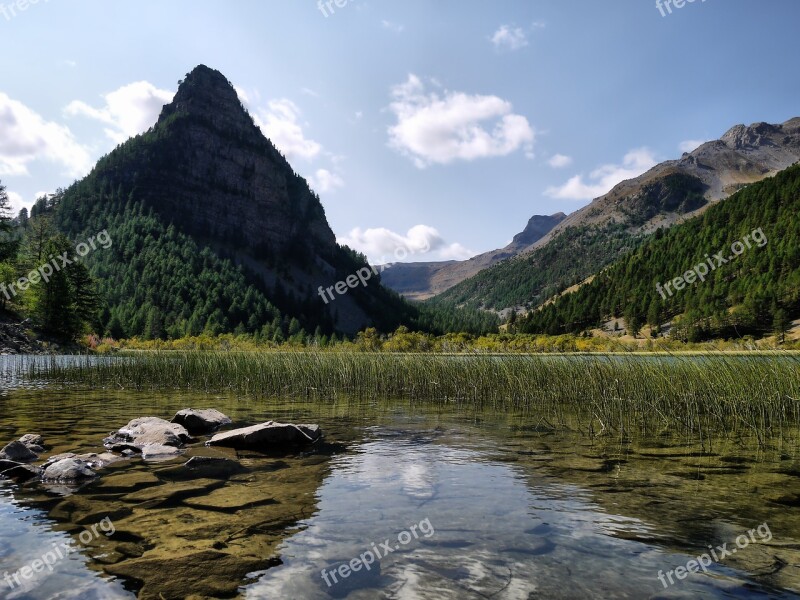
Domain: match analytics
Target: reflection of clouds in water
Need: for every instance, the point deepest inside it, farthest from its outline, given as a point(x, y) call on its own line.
point(479, 575)
point(418, 481)
point(383, 489)
point(502, 532)
point(24, 540)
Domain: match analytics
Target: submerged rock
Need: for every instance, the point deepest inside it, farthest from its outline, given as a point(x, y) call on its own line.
point(202, 574)
point(18, 452)
point(201, 422)
point(199, 467)
point(147, 431)
point(17, 471)
point(268, 437)
point(68, 470)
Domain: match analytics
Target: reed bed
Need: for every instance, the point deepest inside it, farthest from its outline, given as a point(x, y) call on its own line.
point(611, 394)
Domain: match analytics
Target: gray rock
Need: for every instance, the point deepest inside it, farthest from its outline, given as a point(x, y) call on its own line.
point(17, 471)
point(34, 443)
point(147, 431)
point(159, 452)
point(68, 470)
point(58, 458)
point(268, 437)
point(93, 460)
point(32, 438)
point(200, 422)
point(18, 452)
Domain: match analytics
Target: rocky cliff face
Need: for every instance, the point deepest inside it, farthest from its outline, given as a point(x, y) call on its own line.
point(219, 177)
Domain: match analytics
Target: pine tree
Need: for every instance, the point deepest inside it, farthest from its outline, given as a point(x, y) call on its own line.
point(781, 325)
point(5, 209)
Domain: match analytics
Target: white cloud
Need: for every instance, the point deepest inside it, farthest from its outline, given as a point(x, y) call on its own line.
point(397, 28)
point(690, 145)
point(244, 96)
point(603, 179)
point(456, 252)
point(559, 161)
point(280, 123)
point(509, 38)
point(434, 129)
point(17, 202)
point(324, 181)
point(128, 111)
point(25, 136)
point(384, 246)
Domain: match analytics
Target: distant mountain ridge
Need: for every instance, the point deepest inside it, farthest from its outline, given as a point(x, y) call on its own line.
point(742, 156)
point(614, 224)
point(422, 280)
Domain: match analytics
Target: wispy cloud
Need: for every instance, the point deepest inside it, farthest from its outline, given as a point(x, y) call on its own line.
point(382, 245)
point(603, 179)
point(396, 27)
point(128, 111)
point(509, 38)
point(26, 136)
point(690, 145)
point(559, 161)
point(280, 122)
point(325, 181)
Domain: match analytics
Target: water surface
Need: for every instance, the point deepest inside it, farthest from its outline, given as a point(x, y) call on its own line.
point(509, 510)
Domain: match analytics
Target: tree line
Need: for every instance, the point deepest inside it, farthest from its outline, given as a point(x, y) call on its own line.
point(755, 293)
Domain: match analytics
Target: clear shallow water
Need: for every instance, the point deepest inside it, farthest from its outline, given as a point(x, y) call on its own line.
point(516, 512)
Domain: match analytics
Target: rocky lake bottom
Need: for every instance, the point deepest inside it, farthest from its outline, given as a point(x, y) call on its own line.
point(400, 500)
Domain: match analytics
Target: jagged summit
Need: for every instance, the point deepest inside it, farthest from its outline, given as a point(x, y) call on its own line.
point(207, 94)
point(538, 226)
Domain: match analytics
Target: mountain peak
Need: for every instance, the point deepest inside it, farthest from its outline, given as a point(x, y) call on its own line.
point(538, 226)
point(207, 93)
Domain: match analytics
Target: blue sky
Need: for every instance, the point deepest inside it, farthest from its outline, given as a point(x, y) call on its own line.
point(421, 124)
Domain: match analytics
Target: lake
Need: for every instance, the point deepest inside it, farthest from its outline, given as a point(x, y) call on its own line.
point(403, 500)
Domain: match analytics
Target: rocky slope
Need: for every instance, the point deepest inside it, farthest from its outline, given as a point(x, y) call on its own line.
point(420, 281)
point(15, 338)
point(742, 156)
